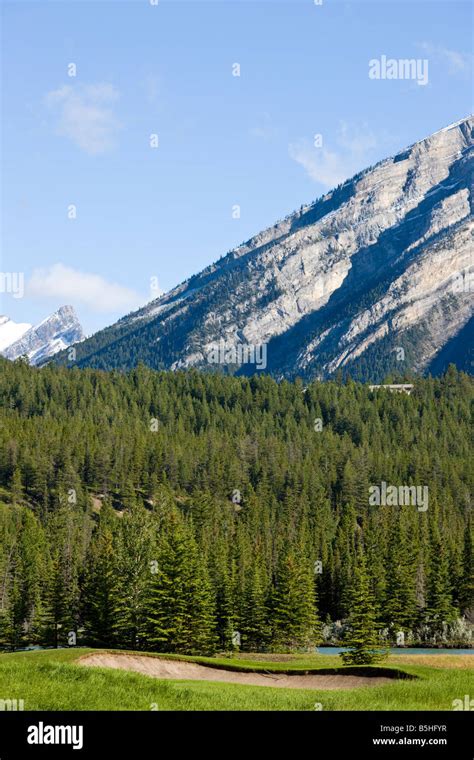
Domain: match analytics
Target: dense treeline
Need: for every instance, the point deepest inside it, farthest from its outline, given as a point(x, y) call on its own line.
point(194, 513)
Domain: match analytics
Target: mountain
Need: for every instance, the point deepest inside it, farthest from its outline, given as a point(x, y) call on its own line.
point(374, 276)
point(42, 341)
point(11, 331)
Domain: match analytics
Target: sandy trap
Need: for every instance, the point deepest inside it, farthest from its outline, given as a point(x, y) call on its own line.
point(190, 671)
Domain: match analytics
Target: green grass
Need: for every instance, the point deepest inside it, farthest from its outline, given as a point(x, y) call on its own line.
point(51, 680)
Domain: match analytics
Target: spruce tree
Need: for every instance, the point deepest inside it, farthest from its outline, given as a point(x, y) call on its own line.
point(361, 633)
point(180, 610)
point(21, 594)
point(466, 591)
point(440, 610)
point(294, 618)
point(61, 608)
point(400, 609)
point(224, 599)
point(255, 628)
point(100, 585)
point(133, 555)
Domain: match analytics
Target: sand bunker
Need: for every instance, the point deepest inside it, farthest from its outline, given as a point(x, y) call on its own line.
point(190, 671)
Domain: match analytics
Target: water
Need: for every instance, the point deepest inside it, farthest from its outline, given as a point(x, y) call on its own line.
point(401, 650)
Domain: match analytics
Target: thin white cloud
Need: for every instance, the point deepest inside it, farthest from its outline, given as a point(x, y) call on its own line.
point(85, 115)
point(456, 62)
point(352, 150)
point(72, 286)
point(320, 164)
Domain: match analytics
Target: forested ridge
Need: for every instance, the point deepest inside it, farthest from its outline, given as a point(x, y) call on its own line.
point(169, 511)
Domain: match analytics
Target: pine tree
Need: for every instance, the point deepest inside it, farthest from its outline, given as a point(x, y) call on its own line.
point(440, 610)
point(133, 555)
point(293, 608)
point(400, 608)
point(466, 591)
point(180, 605)
point(100, 586)
point(224, 602)
point(61, 608)
point(255, 628)
point(16, 486)
point(361, 634)
point(22, 602)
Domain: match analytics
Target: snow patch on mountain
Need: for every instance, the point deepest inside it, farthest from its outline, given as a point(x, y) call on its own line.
point(11, 331)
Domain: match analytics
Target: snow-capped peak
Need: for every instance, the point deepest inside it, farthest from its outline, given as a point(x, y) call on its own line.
point(45, 339)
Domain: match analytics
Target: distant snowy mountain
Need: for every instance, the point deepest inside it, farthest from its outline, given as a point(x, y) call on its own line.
point(11, 331)
point(41, 341)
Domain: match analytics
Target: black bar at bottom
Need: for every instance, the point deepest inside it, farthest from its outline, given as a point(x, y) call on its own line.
point(214, 734)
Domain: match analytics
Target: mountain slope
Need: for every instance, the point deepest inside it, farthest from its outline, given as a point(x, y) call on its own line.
point(373, 276)
point(42, 341)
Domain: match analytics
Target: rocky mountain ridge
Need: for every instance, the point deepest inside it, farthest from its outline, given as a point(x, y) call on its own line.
point(376, 275)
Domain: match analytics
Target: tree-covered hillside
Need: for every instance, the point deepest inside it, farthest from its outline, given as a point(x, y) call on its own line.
point(185, 512)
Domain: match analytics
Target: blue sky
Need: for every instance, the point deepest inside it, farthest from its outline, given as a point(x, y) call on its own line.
point(224, 140)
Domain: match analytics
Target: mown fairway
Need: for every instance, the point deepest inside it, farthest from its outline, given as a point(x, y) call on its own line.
point(52, 680)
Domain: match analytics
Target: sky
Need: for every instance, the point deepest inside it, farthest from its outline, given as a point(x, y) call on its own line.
point(143, 140)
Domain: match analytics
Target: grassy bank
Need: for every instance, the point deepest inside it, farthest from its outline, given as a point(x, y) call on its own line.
point(52, 680)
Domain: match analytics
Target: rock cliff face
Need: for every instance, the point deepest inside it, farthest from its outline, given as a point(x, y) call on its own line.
point(375, 275)
point(42, 341)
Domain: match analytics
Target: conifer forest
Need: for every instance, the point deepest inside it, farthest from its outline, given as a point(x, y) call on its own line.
point(200, 513)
